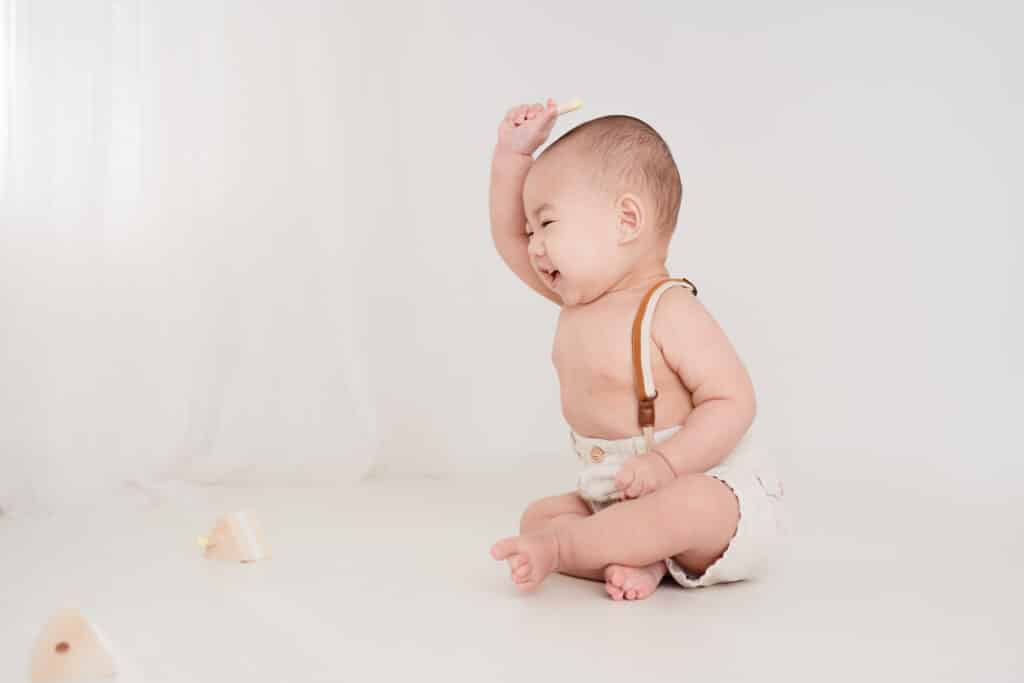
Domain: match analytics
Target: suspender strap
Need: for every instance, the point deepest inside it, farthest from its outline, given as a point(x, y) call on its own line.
point(643, 377)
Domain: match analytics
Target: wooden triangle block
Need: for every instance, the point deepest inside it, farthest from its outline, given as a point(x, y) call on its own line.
point(236, 537)
point(70, 649)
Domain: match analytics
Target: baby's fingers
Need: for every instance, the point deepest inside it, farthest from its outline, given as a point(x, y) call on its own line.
point(516, 115)
point(548, 117)
point(636, 488)
point(624, 478)
point(525, 113)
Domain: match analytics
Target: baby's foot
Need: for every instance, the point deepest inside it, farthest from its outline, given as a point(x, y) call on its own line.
point(633, 583)
point(531, 557)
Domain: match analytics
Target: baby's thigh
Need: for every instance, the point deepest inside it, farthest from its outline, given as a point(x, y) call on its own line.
point(545, 509)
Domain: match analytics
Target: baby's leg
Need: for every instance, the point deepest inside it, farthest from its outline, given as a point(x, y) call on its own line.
point(622, 582)
point(550, 513)
point(692, 520)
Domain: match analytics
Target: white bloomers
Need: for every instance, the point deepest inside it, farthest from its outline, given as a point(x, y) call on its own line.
point(752, 480)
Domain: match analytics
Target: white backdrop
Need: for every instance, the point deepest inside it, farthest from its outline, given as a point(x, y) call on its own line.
point(249, 241)
point(847, 215)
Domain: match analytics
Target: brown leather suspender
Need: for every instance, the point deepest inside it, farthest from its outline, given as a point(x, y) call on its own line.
point(645, 412)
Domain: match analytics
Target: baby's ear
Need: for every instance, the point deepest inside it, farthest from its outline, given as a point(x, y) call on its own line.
point(629, 218)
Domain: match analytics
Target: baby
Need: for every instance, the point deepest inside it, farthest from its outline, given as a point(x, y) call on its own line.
point(587, 225)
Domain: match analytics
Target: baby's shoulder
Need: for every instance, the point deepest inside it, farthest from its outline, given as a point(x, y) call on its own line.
point(678, 311)
point(678, 301)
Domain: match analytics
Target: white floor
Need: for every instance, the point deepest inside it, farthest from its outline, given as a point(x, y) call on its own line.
point(391, 580)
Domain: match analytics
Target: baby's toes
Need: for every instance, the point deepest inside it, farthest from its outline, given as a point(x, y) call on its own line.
point(612, 574)
point(521, 574)
point(615, 575)
point(527, 582)
point(633, 581)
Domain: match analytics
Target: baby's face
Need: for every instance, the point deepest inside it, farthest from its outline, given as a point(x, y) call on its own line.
point(574, 242)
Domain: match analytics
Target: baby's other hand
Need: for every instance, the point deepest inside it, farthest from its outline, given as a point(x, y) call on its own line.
point(642, 475)
point(526, 127)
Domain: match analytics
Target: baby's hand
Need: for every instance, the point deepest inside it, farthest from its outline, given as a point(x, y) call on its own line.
point(642, 475)
point(526, 127)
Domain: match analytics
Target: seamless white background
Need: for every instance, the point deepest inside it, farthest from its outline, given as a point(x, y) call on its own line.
point(249, 241)
point(848, 215)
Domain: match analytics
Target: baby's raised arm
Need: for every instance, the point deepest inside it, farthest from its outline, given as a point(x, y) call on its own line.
point(521, 132)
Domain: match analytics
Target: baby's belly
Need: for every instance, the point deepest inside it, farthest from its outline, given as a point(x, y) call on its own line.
point(613, 414)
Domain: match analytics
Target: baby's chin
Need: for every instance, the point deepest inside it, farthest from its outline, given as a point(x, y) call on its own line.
point(573, 297)
point(572, 292)
point(589, 296)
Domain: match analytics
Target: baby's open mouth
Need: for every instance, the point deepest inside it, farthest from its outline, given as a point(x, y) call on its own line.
point(552, 276)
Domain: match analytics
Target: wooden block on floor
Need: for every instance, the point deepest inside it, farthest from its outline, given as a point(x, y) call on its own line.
point(70, 649)
point(237, 537)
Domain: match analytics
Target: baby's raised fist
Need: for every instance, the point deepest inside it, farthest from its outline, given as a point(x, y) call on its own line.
point(526, 127)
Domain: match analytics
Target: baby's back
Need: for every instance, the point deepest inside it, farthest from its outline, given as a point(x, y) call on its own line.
point(593, 356)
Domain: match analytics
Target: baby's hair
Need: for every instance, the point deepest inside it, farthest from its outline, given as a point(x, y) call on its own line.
point(637, 154)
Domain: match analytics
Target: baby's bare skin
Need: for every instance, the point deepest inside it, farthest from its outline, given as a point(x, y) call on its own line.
point(596, 254)
point(593, 357)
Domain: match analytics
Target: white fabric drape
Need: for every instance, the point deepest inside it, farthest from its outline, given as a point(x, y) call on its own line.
point(179, 258)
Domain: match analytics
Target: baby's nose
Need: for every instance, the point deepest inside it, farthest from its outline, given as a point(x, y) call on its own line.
point(536, 247)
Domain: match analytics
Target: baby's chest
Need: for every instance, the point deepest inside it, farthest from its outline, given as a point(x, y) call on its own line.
point(594, 349)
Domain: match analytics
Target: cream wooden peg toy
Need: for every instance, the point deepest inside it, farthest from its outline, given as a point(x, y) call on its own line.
point(237, 537)
point(574, 104)
point(71, 650)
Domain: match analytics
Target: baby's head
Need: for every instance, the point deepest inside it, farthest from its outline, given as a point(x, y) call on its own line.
point(601, 203)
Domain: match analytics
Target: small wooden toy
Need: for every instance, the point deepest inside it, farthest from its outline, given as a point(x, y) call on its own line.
point(572, 105)
point(236, 537)
point(69, 650)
